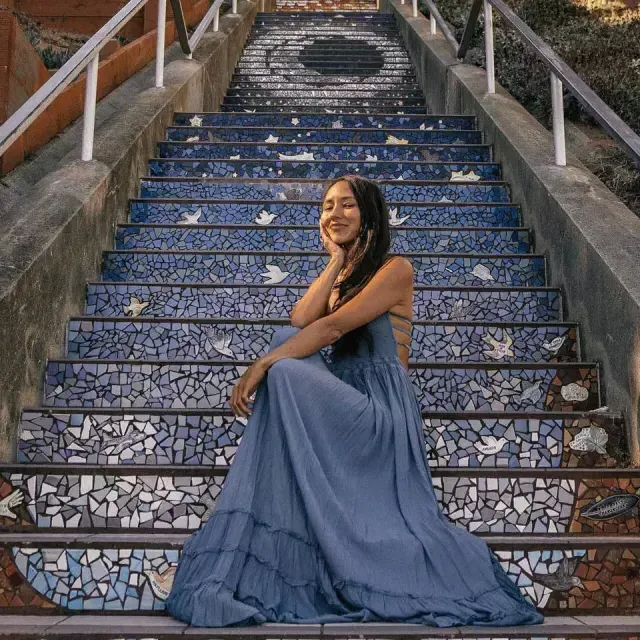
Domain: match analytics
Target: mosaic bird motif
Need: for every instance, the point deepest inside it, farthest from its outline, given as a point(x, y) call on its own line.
point(221, 341)
point(394, 221)
point(337, 124)
point(118, 445)
point(190, 218)
point(193, 139)
point(531, 392)
point(461, 310)
point(445, 200)
point(460, 176)
point(329, 110)
point(234, 157)
point(161, 583)
point(425, 128)
point(574, 392)
point(250, 110)
point(264, 218)
point(500, 348)
point(590, 439)
point(135, 307)
point(482, 271)
point(13, 500)
point(562, 579)
point(274, 274)
point(555, 345)
point(618, 504)
point(196, 121)
point(307, 155)
point(394, 140)
point(490, 444)
point(369, 158)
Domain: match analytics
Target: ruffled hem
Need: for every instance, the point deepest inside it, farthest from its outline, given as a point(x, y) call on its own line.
point(260, 582)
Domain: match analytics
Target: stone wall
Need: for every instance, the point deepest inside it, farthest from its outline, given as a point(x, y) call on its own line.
point(592, 241)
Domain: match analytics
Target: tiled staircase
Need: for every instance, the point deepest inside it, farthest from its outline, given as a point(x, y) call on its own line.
point(134, 437)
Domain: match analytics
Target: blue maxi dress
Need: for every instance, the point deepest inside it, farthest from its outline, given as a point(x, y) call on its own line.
point(328, 513)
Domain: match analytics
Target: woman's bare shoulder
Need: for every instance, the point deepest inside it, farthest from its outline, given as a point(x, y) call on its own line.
point(400, 266)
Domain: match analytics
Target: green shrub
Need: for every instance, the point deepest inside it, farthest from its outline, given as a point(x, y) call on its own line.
point(54, 59)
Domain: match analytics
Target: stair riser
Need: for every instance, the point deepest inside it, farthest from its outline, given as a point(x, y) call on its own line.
point(203, 341)
point(186, 238)
point(327, 152)
point(285, 92)
point(209, 386)
point(338, 110)
point(236, 213)
point(122, 575)
point(307, 121)
point(453, 192)
point(178, 502)
point(110, 299)
point(335, 135)
point(94, 438)
point(308, 77)
point(446, 271)
point(301, 98)
point(270, 84)
point(322, 170)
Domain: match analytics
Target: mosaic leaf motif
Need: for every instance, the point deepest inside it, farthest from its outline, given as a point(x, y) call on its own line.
point(7, 504)
point(590, 439)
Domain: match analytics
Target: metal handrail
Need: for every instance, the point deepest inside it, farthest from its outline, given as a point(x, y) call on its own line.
point(560, 74)
point(437, 21)
point(87, 57)
point(212, 15)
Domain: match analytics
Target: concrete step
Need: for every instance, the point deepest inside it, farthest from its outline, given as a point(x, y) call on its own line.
point(327, 152)
point(320, 119)
point(288, 267)
point(292, 167)
point(206, 338)
point(207, 384)
point(122, 572)
point(337, 134)
point(312, 189)
point(184, 211)
point(275, 237)
point(189, 300)
point(138, 498)
point(210, 436)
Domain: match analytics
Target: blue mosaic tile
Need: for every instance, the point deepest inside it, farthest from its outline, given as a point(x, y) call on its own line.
point(336, 134)
point(273, 238)
point(179, 385)
point(436, 215)
point(311, 121)
point(333, 108)
point(327, 152)
point(193, 439)
point(284, 268)
point(313, 190)
point(321, 169)
point(366, 105)
point(178, 340)
point(187, 301)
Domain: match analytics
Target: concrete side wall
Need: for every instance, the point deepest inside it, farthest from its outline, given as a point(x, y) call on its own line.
point(592, 241)
point(64, 211)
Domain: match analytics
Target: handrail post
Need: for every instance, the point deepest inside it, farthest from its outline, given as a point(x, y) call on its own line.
point(433, 25)
point(557, 107)
point(234, 6)
point(162, 25)
point(90, 95)
point(415, 8)
point(488, 45)
point(216, 20)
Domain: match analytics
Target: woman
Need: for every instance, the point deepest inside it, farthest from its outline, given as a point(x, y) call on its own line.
point(328, 512)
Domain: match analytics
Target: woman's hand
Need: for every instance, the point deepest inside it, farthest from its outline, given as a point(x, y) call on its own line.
point(335, 250)
point(246, 387)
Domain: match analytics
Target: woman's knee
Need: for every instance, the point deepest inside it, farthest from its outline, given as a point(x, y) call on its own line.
point(281, 335)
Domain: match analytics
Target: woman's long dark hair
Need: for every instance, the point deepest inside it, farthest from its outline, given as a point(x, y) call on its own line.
point(368, 254)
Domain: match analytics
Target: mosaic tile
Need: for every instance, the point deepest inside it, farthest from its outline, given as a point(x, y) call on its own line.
point(141, 339)
point(274, 238)
point(336, 134)
point(285, 268)
point(438, 215)
point(319, 169)
point(394, 192)
point(463, 387)
point(339, 109)
point(185, 438)
point(327, 152)
point(311, 121)
point(162, 300)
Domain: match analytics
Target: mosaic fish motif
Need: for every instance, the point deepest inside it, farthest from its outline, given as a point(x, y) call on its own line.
point(619, 504)
point(590, 439)
point(562, 579)
point(161, 583)
point(118, 445)
point(574, 392)
point(135, 307)
point(13, 500)
point(196, 121)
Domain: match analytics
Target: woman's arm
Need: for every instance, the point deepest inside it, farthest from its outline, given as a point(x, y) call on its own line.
point(387, 288)
point(313, 305)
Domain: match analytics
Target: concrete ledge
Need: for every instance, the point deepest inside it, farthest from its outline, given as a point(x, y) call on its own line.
point(62, 212)
point(591, 239)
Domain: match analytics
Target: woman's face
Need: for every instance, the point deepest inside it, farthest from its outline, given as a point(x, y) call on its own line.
point(340, 216)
